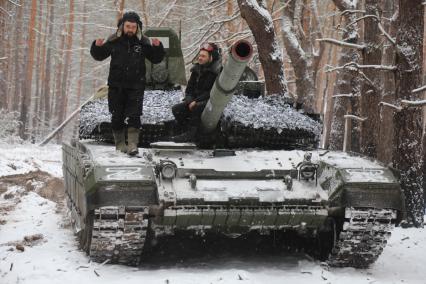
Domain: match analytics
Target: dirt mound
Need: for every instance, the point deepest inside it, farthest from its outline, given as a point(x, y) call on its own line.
point(42, 183)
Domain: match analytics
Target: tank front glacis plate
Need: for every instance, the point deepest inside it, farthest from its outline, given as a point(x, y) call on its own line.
point(249, 177)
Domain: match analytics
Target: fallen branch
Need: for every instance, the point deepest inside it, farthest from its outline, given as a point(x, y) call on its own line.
point(341, 43)
point(3, 58)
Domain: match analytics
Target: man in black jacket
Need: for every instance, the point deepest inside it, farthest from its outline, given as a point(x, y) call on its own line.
point(197, 93)
point(128, 49)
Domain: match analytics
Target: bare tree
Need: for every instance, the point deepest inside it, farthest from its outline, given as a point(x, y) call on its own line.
point(260, 22)
point(301, 63)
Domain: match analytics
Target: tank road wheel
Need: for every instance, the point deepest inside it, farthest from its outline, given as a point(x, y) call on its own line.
point(119, 234)
point(363, 236)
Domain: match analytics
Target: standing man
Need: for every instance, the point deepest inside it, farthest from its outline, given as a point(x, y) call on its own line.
point(128, 49)
point(197, 93)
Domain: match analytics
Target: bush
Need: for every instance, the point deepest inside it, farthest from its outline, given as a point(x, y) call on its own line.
point(9, 127)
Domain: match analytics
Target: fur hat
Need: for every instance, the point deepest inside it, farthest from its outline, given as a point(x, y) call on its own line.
point(132, 17)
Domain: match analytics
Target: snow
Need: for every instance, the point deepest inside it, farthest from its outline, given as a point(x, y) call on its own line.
point(268, 112)
point(157, 107)
point(20, 159)
point(57, 259)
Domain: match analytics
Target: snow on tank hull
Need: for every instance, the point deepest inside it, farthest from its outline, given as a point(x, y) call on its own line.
point(120, 204)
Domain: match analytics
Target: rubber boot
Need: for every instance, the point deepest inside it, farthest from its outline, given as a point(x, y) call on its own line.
point(132, 141)
point(120, 140)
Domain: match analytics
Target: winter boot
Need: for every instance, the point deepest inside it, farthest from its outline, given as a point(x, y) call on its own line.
point(188, 136)
point(132, 141)
point(120, 140)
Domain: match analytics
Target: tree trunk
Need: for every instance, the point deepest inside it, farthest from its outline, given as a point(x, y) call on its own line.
point(26, 101)
point(260, 23)
point(81, 67)
point(386, 132)
point(58, 80)
point(67, 64)
point(47, 68)
point(144, 13)
point(408, 155)
point(299, 59)
point(16, 56)
point(120, 9)
point(36, 117)
point(371, 94)
point(348, 82)
point(4, 39)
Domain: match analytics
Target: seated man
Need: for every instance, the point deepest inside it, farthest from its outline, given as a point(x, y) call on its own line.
point(197, 93)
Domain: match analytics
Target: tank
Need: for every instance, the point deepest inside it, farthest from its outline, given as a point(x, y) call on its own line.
point(265, 180)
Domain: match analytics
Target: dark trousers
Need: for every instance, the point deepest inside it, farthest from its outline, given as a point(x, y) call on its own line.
point(186, 117)
point(125, 106)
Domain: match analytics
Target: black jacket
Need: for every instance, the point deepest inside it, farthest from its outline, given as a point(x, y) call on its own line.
point(201, 81)
point(127, 68)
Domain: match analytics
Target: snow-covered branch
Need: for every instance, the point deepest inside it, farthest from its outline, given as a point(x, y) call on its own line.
point(3, 58)
point(351, 116)
point(406, 103)
point(342, 43)
point(4, 10)
point(14, 3)
point(355, 66)
point(418, 90)
point(350, 95)
point(167, 14)
point(397, 108)
point(351, 12)
point(391, 39)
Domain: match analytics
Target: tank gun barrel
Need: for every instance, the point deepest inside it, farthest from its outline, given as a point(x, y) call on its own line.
point(226, 83)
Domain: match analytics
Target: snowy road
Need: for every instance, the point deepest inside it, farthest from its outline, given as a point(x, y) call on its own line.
point(55, 257)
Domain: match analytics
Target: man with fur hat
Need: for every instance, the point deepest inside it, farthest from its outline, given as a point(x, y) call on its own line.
point(128, 49)
point(197, 93)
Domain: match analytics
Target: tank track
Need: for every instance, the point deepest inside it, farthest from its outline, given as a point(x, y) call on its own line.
point(118, 234)
point(364, 235)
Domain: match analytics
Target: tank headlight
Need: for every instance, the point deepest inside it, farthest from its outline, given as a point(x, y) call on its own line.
point(168, 170)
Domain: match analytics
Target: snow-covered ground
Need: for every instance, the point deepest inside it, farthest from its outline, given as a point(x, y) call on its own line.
point(54, 257)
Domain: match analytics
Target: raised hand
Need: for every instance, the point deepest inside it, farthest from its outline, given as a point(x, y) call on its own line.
point(155, 42)
point(99, 42)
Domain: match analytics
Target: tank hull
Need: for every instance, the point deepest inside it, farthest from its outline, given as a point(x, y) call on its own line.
point(118, 203)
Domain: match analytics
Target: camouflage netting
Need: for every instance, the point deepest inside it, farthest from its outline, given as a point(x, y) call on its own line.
point(265, 122)
point(270, 112)
point(157, 107)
